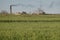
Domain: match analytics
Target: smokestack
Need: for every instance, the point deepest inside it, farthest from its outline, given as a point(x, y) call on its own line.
point(10, 9)
point(18, 5)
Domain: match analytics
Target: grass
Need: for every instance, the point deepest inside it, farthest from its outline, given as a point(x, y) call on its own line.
point(30, 30)
point(30, 17)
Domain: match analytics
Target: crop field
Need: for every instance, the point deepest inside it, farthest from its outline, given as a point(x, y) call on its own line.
point(30, 27)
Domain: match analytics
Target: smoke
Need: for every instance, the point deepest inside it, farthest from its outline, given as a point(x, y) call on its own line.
point(51, 5)
point(23, 5)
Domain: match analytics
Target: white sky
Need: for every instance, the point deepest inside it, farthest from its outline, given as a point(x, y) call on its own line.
point(49, 6)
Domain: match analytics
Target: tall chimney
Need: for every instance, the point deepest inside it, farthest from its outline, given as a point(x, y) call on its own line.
point(10, 9)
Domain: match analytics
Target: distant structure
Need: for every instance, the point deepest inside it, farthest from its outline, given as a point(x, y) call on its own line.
point(18, 5)
point(17, 13)
point(11, 9)
point(38, 12)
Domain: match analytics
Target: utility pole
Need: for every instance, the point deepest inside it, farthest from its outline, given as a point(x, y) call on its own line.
point(10, 9)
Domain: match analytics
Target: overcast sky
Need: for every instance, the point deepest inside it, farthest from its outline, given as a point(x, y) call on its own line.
point(49, 6)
